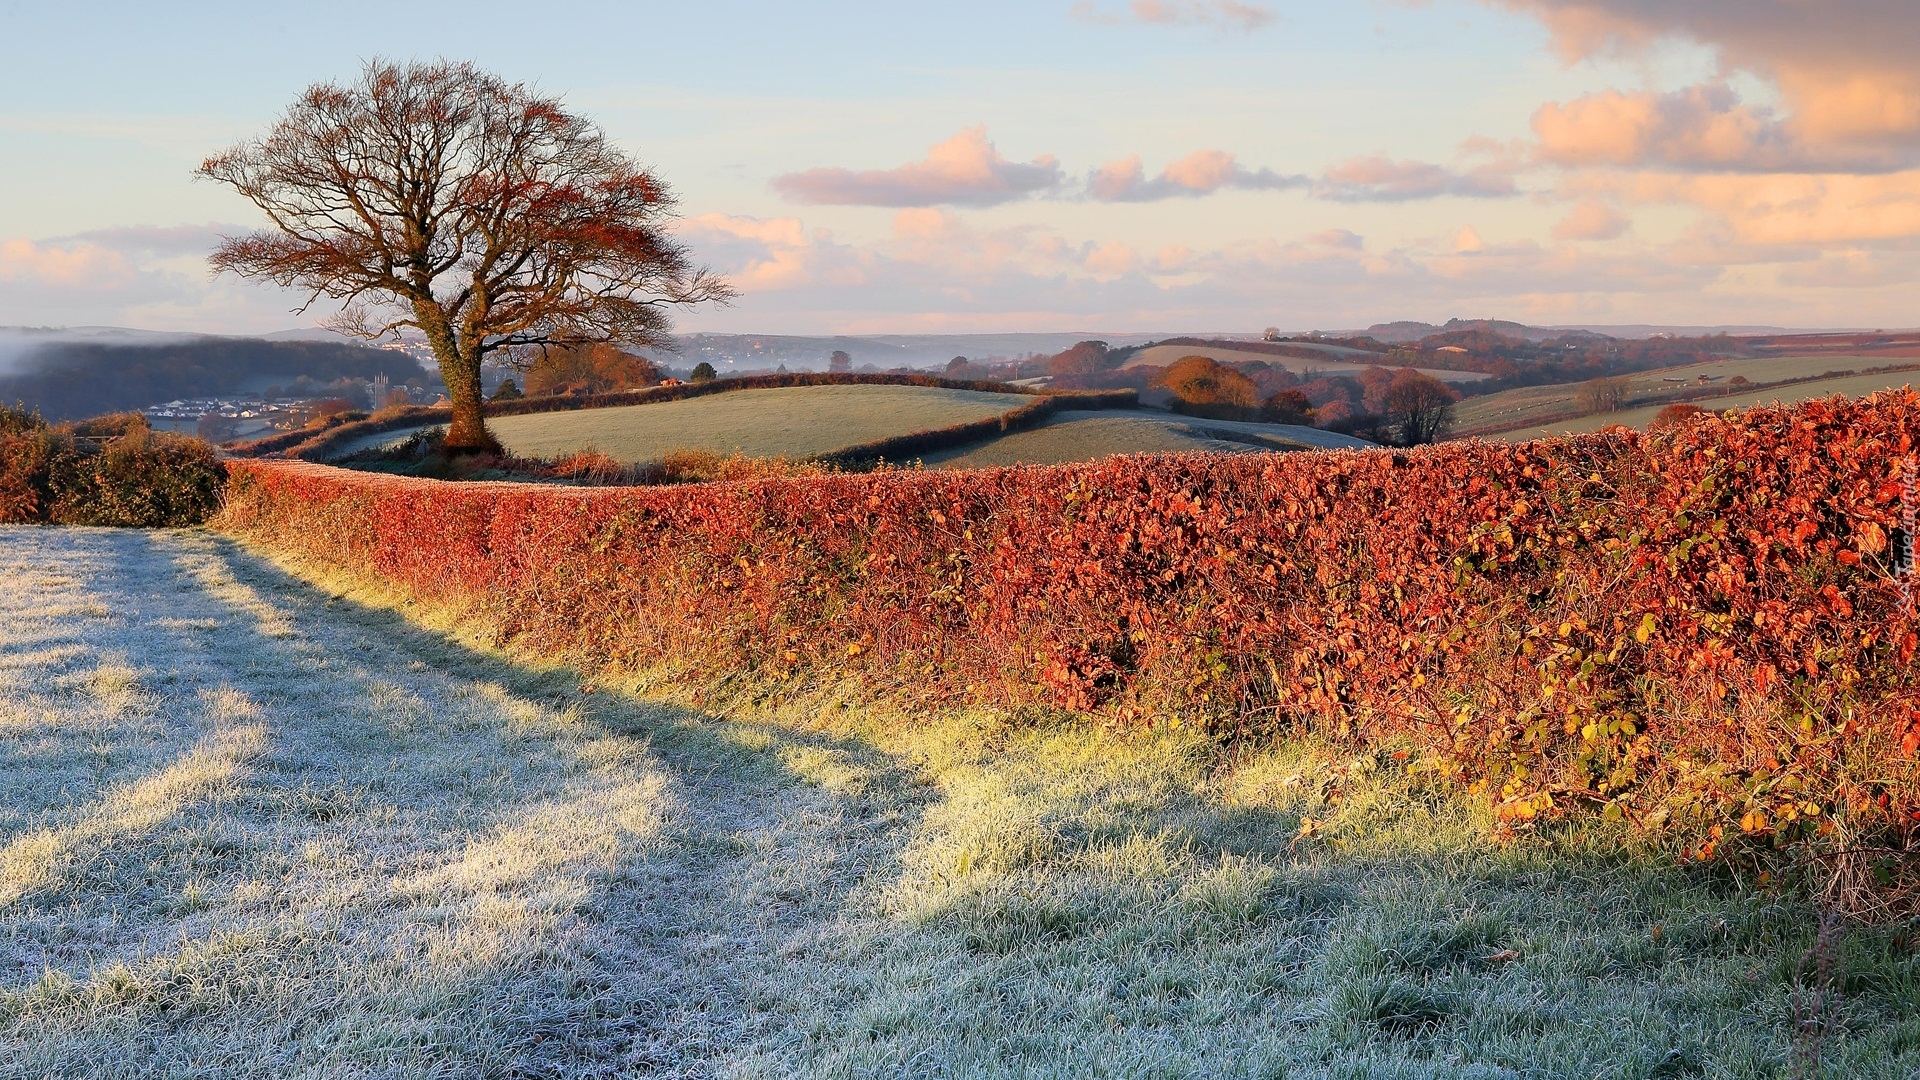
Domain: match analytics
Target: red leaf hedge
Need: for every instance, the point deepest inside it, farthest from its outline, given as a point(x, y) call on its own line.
point(1702, 626)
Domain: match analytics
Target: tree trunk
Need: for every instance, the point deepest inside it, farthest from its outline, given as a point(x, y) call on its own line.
point(460, 370)
point(468, 433)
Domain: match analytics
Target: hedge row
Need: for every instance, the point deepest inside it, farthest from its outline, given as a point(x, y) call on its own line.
point(316, 443)
point(1701, 628)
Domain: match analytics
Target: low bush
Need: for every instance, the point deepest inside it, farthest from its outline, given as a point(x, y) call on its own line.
point(111, 470)
point(1701, 629)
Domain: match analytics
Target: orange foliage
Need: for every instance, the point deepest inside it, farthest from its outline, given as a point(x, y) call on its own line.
point(1207, 387)
point(590, 369)
point(1692, 629)
point(1674, 414)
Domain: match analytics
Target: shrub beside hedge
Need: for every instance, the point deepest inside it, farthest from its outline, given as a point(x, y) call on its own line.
point(107, 471)
point(1700, 629)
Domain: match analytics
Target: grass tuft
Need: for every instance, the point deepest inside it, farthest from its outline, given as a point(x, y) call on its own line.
point(1395, 1006)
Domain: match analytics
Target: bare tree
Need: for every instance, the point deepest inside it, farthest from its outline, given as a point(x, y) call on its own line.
point(1603, 395)
point(1419, 406)
point(440, 197)
point(1085, 358)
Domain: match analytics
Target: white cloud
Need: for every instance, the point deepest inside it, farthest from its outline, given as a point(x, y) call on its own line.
point(197, 240)
point(1363, 179)
point(1222, 14)
point(1844, 70)
point(1202, 172)
point(1854, 269)
point(1832, 160)
point(139, 276)
point(1381, 179)
point(966, 170)
point(1591, 219)
point(935, 269)
point(69, 265)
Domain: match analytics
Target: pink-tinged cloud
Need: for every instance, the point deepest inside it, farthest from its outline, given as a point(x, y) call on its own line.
point(1591, 219)
point(164, 240)
point(1222, 14)
point(939, 268)
point(1703, 128)
point(1845, 70)
point(966, 170)
point(1700, 127)
point(1853, 269)
point(150, 277)
point(1338, 238)
point(1202, 172)
point(1795, 211)
point(64, 265)
point(1381, 179)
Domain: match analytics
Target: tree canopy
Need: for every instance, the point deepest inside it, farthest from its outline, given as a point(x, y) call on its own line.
point(440, 197)
point(1419, 406)
point(589, 369)
point(1205, 387)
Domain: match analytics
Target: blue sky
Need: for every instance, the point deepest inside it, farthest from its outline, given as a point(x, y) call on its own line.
point(1298, 164)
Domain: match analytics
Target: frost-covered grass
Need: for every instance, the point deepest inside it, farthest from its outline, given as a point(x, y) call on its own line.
point(255, 827)
point(1079, 436)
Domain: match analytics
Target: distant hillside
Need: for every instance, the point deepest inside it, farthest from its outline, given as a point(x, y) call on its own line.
point(68, 379)
point(1405, 332)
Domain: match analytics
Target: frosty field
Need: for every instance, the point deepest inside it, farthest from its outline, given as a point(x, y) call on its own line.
point(785, 422)
point(1082, 436)
point(253, 824)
